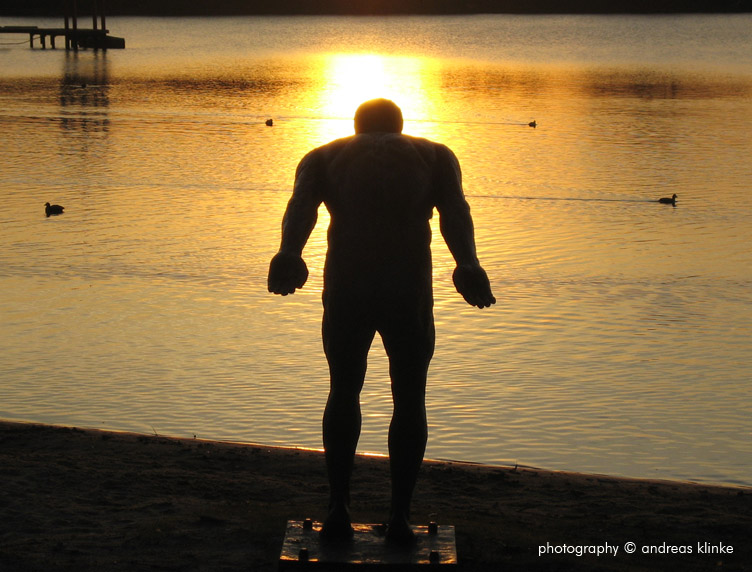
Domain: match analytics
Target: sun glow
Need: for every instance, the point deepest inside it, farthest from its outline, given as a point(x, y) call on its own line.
point(350, 79)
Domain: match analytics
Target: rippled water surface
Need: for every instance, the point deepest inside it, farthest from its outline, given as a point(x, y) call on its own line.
point(620, 342)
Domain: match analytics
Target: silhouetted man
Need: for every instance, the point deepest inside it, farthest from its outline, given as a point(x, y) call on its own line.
point(380, 188)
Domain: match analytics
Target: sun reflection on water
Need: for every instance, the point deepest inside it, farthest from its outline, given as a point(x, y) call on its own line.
point(350, 79)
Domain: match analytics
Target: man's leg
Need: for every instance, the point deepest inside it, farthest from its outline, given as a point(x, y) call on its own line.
point(346, 345)
point(410, 350)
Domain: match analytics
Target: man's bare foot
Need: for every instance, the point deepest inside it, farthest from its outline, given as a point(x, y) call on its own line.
point(399, 531)
point(337, 526)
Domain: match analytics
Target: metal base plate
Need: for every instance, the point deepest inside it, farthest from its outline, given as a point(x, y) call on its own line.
point(303, 548)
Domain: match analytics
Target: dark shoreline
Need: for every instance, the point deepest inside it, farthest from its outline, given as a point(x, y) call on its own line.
point(53, 8)
point(88, 500)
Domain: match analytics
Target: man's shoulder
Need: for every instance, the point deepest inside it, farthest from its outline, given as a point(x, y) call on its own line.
point(334, 145)
point(428, 146)
point(433, 152)
point(362, 144)
point(324, 152)
point(363, 137)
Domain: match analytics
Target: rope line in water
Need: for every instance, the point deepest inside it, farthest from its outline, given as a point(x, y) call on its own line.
point(583, 199)
point(14, 43)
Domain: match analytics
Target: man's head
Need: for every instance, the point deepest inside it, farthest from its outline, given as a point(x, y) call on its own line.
point(378, 115)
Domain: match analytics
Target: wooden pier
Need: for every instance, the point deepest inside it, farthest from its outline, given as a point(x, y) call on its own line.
point(97, 37)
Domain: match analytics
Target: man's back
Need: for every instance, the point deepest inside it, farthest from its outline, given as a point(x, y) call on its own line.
point(378, 177)
point(380, 190)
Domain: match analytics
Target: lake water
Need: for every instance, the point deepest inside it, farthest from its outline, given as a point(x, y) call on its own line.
point(620, 342)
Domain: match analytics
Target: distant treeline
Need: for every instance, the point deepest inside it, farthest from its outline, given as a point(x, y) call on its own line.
point(371, 7)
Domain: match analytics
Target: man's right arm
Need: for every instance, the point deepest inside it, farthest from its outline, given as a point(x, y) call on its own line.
point(287, 270)
point(457, 229)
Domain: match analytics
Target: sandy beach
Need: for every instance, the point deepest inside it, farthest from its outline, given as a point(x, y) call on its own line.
point(81, 499)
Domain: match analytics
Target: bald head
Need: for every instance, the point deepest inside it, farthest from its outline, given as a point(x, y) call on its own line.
point(378, 116)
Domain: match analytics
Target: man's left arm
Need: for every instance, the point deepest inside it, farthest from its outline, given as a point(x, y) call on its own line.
point(457, 229)
point(287, 270)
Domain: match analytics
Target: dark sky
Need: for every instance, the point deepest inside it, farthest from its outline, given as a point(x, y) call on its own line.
point(232, 7)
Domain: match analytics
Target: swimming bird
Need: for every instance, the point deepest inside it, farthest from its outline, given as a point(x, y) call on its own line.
point(533, 123)
point(269, 122)
point(668, 201)
point(52, 209)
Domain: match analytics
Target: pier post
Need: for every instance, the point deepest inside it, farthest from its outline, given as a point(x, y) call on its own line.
point(101, 13)
point(74, 16)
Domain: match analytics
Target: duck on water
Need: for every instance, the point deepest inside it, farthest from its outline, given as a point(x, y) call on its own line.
point(668, 201)
point(52, 209)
